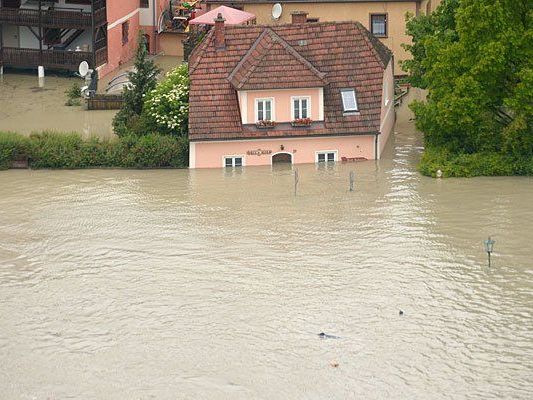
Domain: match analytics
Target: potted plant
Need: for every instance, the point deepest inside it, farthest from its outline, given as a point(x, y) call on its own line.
point(265, 124)
point(302, 122)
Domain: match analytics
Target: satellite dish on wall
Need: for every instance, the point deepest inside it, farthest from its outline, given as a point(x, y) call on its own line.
point(83, 69)
point(276, 11)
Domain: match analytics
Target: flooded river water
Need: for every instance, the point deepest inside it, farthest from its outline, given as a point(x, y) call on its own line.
point(214, 284)
point(25, 107)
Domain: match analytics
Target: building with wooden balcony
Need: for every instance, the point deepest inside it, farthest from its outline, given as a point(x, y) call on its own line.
point(59, 34)
point(54, 34)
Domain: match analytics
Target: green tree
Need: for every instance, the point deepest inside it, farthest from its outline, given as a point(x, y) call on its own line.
point(143, 79)
point(475, 59)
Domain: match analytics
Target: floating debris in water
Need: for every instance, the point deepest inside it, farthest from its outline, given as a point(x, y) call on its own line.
point(323, 335)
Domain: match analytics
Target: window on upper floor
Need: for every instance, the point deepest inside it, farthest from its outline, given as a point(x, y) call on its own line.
point(264, 110)
point(301, 107)
point(378, 24)
point(125, 32)
point(144, 4)
point(349, 100)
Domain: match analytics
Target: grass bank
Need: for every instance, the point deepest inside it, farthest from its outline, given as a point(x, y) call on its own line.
point(470, 165)
point(68, 150)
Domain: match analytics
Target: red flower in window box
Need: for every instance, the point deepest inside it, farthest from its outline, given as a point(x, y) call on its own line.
point(302, 122)
point(265, 123)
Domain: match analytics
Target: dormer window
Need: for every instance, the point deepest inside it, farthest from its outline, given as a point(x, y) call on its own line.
point(263, 110)
point(349, 101)
point(300, 107)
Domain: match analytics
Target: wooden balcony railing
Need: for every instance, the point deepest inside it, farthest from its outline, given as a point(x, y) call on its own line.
point(56, 59)
point(56, 18)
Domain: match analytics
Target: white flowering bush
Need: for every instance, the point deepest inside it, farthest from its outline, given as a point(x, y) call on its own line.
point(166, 108)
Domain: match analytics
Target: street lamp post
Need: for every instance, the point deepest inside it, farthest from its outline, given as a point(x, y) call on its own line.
point(489, 247)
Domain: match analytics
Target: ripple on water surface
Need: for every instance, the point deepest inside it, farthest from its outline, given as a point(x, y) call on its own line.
point(215, 284)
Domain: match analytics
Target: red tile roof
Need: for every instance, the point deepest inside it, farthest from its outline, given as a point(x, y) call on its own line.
point(335, 55)
point(272, 56)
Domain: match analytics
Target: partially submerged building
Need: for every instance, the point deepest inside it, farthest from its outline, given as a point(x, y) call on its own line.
point(60, 34)
point(298, 93)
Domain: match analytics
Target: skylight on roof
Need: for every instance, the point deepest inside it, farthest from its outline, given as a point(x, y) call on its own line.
point(349, 101)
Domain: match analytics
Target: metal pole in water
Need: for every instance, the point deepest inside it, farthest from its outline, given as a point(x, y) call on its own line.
point(296, 179)
point(352, 180)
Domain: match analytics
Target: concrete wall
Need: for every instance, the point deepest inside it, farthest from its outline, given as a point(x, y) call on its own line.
point(395, 11)
point(170, 43)
point(303, 150)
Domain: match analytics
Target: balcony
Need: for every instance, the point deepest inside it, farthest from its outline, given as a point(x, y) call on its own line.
point(53, 18)
point(54, 59)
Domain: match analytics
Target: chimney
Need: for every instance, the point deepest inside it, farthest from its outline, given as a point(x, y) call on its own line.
point(299, 17)
point(220, 37)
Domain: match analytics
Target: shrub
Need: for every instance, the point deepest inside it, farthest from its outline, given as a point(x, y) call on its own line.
point(166, 109)
point(475, 164)
point(73, 95)
point(69, 150)
point(12, 146)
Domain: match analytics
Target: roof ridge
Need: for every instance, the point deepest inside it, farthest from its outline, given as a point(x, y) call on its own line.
point(275, 39)
point(248, 55)
point(198, 51)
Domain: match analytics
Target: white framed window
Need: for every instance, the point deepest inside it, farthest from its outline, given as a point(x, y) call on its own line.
point(378, 25)
point(233, 161)
point(264, 109)
point(349, 100)
point(326, 156)
point(301, 107)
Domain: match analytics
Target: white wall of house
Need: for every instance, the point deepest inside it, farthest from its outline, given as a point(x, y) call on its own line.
point(27, 38)
point(146, 16)
point(32, 4)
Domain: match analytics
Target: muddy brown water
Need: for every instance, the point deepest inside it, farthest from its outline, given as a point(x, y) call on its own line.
point(214, 284)
point(25, 107)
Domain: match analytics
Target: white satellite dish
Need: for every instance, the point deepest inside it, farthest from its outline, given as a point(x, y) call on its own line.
point(276, 11)
point(83, 69)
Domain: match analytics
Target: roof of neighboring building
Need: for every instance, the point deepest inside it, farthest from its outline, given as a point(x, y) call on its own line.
point(332, 55)
point(232, 16)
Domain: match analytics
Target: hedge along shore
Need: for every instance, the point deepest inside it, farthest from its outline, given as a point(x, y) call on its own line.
point(57, 150)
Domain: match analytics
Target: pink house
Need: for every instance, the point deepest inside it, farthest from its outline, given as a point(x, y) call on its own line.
point(125, 19)
point(298, 93)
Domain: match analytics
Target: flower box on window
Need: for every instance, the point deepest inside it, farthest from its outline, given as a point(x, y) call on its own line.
point(302, 122)
point(265, 124)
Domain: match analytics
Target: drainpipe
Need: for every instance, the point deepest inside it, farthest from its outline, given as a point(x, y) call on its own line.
point(376, 146)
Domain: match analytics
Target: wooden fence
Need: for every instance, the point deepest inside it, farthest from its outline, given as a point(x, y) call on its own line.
point(105, 102)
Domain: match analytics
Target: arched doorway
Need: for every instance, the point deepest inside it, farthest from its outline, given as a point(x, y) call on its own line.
point(282, 158)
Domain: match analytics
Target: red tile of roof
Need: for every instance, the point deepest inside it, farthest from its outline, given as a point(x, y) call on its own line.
point(344, 52)
point(272, 56)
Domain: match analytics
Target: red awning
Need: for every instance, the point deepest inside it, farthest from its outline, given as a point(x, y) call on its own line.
point(231, 15)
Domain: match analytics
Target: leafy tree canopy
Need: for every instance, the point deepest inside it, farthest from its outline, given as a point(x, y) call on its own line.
point(475, 58)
